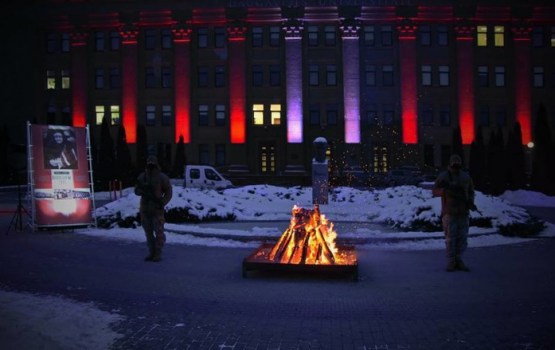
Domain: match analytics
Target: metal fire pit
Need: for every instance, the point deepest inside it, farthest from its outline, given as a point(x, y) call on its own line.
point(259, 261)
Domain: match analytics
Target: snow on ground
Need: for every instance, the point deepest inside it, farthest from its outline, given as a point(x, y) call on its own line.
point(50, 322)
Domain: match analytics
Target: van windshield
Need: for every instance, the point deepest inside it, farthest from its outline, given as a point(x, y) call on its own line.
point(211, 175)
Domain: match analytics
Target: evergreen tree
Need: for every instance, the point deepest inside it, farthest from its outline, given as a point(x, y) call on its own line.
point(106, 157)
point(543, 171)
point(516, 164)
point(142, 145)
point(180, 160)
point(456, 145)
point(124, 165)
point(477, 162)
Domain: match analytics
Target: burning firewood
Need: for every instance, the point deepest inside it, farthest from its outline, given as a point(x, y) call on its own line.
point(307, 240)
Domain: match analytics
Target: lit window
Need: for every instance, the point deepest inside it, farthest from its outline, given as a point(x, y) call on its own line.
point(500, 76)
point(150, 115)
point(538, 76)
point(258, 114)
point(482, 35)
point(275, 112)
point(499, 36)
point(65, 79)
point(50, 79)
point(426, 75)
point(114, 114)
point(443, 75)
point(99, 113)
point(167, 115)
point(220, 115)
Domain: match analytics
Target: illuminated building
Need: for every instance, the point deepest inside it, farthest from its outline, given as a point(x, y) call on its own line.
point(251, 83)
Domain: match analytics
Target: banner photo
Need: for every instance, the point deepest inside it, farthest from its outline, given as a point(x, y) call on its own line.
point(61, 181)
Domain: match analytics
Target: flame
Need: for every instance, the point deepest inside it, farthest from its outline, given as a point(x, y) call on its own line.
point(309, 239)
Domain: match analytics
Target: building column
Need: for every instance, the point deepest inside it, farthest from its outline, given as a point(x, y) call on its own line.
point(237, 83)
point(294, 80)
point(79, 78)
point(523, 73)
point(465, 78)
point(129, 86)
point(409, 105)
point(182, 74)
point(351, 82)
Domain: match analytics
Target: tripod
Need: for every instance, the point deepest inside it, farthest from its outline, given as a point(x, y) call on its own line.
point(17, 219)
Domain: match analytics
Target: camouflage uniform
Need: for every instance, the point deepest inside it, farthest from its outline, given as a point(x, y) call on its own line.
point(156, 191)
point(457, 197)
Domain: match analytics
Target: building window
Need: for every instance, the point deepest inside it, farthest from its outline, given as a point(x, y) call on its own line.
point(50, 79)
point(426, 72)
point(99, 112)
point(219, 37)
point(313, 75)
point(257, 75)
point(150, 115)
point(499, 36)
point(370, 75)
point(65, 79)
point(445, 116)
point(331, 75)
point(150, 39)
point(65, 42)
point(387, 35)
point(380, 159)
point(202, 115)
point(331, 115)
point(204, 154)
point(312, 36)
point(167, 40)
point(258, 114)
point(219, 76)
point(388, 114)
point(387, 75)
point(202, 76)
point(275, 114)
point(99, 41)
point(115, 78)
point(220, 115)
point(314, 115)
point(115, 115)
point(275, 75)
point(442, 36)
point(167, 77)
point(329, 35)
point(220, 154)
point(275, 36)
point(369, 35)
point(537, 37)
point(538, 77)
point(150, 78)
point(482, 36)
point(499, 76)
point(51, 43)
point(483, 113)
point(167, 115)
point(483, 76)
point(202, 38)
point(371, 116)
point(443, 75)
point(115, 41)
point(257, 37)
point(99, 78)
point(427, 115)
point(425, 35)
point(267, 158)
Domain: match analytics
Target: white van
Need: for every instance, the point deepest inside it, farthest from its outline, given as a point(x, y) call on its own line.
point(204, 176)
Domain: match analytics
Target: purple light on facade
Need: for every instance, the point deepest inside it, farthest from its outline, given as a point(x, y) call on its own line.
point(294, 84)
point(351, 88)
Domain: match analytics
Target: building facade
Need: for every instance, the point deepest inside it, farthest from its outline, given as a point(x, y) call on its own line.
point(251, 84)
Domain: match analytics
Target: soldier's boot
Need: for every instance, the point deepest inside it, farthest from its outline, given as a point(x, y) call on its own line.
point(451, 266)
point(151, 254)
point(461, 266)
point(157, 255)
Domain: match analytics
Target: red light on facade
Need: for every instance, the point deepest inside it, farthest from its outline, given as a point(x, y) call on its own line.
point(465, 79)
point(238, 125)
point(409, 119)
point(129, 92)
point(523, 99)
point(237, 93)
point(182, 91)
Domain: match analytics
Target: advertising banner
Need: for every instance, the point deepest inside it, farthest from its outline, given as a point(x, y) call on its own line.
point(59, 167)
